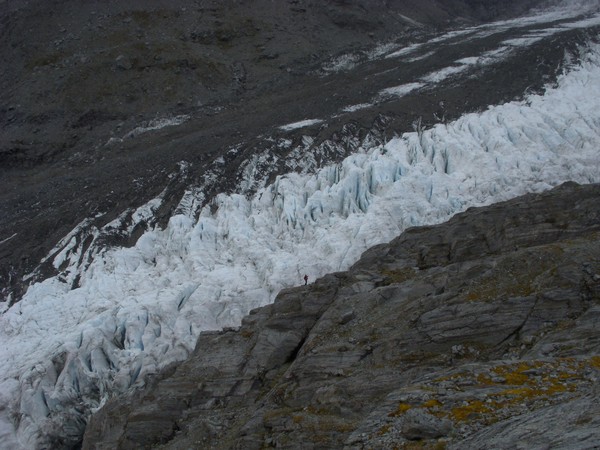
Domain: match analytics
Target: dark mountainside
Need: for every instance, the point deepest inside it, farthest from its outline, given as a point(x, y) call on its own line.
point(80, 79)
point(479, 333)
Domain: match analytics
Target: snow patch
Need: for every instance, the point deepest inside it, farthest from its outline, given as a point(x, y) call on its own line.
point(342, 63)
point(402, 90)
point(157, 124)
point(404, 51)
point(357, 107)
point(8, 238)
point(443, 74)
point(301, 124)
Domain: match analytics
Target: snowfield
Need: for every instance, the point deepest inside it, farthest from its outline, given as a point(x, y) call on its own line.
point(137, 310)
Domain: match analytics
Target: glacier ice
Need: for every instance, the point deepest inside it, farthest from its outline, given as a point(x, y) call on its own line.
point(136, 310)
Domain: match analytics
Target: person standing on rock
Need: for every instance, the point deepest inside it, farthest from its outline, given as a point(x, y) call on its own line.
point(305, 280)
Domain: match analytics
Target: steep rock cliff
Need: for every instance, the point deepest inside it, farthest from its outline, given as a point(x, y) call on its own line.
point(477, 333)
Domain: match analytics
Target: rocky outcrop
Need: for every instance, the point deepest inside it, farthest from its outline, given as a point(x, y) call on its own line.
point(477, 333)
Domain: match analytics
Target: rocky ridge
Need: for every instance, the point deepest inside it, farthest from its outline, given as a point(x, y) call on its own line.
point(477, 333)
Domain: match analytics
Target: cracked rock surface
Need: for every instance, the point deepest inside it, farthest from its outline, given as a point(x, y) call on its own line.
point(477, 333)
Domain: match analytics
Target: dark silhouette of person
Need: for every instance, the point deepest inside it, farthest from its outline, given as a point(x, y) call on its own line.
point(305, 280)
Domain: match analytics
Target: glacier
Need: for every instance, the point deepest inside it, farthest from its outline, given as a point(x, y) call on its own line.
point(137, 310)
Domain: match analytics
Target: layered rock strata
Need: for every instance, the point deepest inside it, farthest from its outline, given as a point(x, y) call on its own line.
point(481, 332)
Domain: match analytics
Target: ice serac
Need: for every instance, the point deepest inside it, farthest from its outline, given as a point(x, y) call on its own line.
point(461, 335)
point(131, 312)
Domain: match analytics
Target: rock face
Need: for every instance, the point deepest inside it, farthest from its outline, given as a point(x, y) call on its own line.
point(477, 333)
